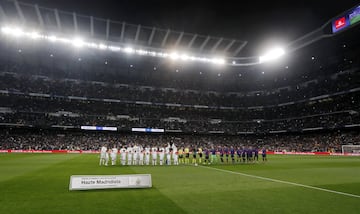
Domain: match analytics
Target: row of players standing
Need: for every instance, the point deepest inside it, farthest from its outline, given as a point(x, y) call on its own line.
point(170, 154)
point(138, 155)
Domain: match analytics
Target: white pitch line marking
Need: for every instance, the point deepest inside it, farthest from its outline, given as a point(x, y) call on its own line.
point(284, 182)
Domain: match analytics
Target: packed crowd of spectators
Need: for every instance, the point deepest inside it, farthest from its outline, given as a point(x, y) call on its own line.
point(24, 103)
point(325, 85)
point(330, 121)
point(263, 106)
point(56, 140)
point(329, 113)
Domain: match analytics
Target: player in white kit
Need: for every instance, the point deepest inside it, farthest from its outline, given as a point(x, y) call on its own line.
point(154, 155)
point(161, 155)
point(147, 155)
point(175, 154)
point(113, 155)
point(103, 151)
point(141, 156)
point(107, 156)
point(129, 152)
point(168, 154)
point(136, 151)
point(123, 156)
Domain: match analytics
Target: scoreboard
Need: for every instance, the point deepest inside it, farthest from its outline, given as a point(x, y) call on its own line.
point(346, 20)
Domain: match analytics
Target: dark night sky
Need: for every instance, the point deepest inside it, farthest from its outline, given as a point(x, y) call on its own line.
point(258, 22)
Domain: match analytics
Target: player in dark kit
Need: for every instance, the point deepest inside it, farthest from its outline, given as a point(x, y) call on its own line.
point(194, 155)
point(232, 154)
point(221, 151)
point(256, 154)
point(207, 156)
point(226, 151)
point(238, 152)
point(243, 155)
point(249, 155)
point(200, 152)
point(213, 155)
point(264, 154)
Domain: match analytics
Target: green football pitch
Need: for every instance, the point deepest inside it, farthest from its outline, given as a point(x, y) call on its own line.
point(39, 183)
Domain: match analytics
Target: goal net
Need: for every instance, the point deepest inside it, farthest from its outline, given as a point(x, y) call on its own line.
point(350, 149)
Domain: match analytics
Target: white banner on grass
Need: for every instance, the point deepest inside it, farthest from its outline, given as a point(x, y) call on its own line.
point(87, 182)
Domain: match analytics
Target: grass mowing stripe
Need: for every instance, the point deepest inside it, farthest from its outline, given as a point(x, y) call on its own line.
point(46, 190)
point(13, 165)
point(284, 182)
point(182, 189)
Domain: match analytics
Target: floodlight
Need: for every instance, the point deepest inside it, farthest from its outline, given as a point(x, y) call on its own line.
point(77, 42)
point(129, 50)
point(142, 52)
point(5, 30)
point(162, 54)
point(174, 56)
point(67, 41)
point(218, 61)
point(152, 53)
point(17, 32)
point(35, 35)
point(272, 54)
point(52, 38)
point(102, 46)
point(114, 48)
point(92, 45)
point(184, 57)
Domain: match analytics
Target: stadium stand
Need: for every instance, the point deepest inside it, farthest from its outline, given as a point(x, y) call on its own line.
point(64, 140)
point(43, 88)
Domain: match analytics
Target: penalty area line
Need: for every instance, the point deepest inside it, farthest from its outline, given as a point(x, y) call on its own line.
point(284, 182)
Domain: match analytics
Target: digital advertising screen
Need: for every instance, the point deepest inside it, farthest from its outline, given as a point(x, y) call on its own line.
point(340, 23)
point(349, 18)
point(354, 16)
point(98, 128)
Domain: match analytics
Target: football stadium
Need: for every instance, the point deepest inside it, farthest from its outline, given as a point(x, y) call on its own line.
point(179, 107)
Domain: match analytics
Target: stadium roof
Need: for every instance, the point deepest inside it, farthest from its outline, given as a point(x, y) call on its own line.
point(258, 22)
point(163, 30)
